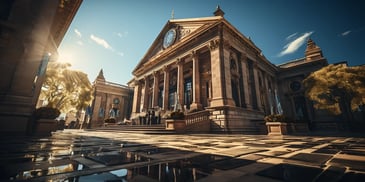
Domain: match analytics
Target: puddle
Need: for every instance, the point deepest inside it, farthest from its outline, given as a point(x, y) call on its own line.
point(116, 158)
point(288, 172)
point(190, 169)
point(151, 151)
point(231, 163)
point(40, 170)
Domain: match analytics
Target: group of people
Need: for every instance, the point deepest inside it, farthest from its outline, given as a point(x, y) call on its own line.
point(150, 118)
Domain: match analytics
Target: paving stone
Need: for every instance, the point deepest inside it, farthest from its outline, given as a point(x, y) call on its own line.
point(352, 164)
point(288, 172)
point(78, 155)
point(319, 159)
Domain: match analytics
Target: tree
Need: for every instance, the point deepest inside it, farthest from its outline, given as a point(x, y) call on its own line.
point(66, 89)
point(337, 88)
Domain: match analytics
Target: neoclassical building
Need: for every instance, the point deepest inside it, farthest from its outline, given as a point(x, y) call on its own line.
point(207, 64)
point(111, 100)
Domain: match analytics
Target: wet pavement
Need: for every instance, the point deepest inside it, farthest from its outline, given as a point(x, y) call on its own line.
point(78, 155)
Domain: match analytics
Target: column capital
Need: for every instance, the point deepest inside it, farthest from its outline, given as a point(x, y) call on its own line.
point(180, 61)
point(214, 44)
point(137, 82)
point(155, 73)
point(194, 54)
point(166, 68)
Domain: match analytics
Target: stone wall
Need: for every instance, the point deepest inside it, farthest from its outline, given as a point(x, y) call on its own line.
point(236, 120)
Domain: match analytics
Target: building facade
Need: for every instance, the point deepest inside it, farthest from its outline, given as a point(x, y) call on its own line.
point(207, 64)
point(30, 33)
point(111, 101)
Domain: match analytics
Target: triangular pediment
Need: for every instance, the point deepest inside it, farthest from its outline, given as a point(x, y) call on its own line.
point(183, 28)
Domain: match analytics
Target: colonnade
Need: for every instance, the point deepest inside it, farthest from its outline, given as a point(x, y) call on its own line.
point(219, 93)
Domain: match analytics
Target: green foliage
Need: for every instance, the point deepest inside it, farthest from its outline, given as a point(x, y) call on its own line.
point(66, 89)
point(275, 118)
point(173, 115)
point(337, 88)
point(46, 113)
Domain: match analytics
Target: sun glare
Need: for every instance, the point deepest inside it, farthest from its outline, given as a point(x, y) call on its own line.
point(65, 58)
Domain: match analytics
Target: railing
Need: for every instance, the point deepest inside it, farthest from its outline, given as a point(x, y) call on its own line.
point(197, 121)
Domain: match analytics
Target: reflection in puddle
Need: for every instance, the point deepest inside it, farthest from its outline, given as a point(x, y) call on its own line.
point(116, 158)
point(190, 169)
point(23, 175)
point(182, 170)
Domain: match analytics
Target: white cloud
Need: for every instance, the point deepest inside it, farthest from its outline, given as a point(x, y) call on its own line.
point(101, 42)
point(80, 42)
point(78, 33)
point(295, 44)
point(346, 33)
point(291, 36)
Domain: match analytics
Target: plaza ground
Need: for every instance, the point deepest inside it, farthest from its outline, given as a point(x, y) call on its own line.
point(117, 155)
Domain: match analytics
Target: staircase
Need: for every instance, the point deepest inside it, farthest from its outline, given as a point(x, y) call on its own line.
point(146, 129)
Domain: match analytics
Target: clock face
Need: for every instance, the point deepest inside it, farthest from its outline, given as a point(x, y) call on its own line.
point(169, 38)
point(116, 101)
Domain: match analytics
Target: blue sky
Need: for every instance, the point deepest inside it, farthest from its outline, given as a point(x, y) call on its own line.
point(114, 35)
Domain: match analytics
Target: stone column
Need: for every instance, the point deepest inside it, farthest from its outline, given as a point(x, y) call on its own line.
point(136, 98)
point(196, 83)
point(145, 95)
point(216, 69)
point(245, 75)
point(165, 104)
point(227, 73)
point(155, 88)
point(219, 76)
point(257, 86)
point(180, 82)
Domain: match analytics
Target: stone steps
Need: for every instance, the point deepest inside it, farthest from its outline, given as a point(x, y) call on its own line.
point(146, 129)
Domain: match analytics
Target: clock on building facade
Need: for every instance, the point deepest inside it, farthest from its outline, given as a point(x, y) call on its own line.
point(116, 101)
point(169, 38)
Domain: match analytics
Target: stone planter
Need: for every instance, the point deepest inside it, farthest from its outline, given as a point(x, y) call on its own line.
point(175, 124)
point(45, 127)
point(276, 128)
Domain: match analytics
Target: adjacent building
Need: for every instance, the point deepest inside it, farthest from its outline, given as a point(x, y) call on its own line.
point(111, 100)
point(30, 33)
